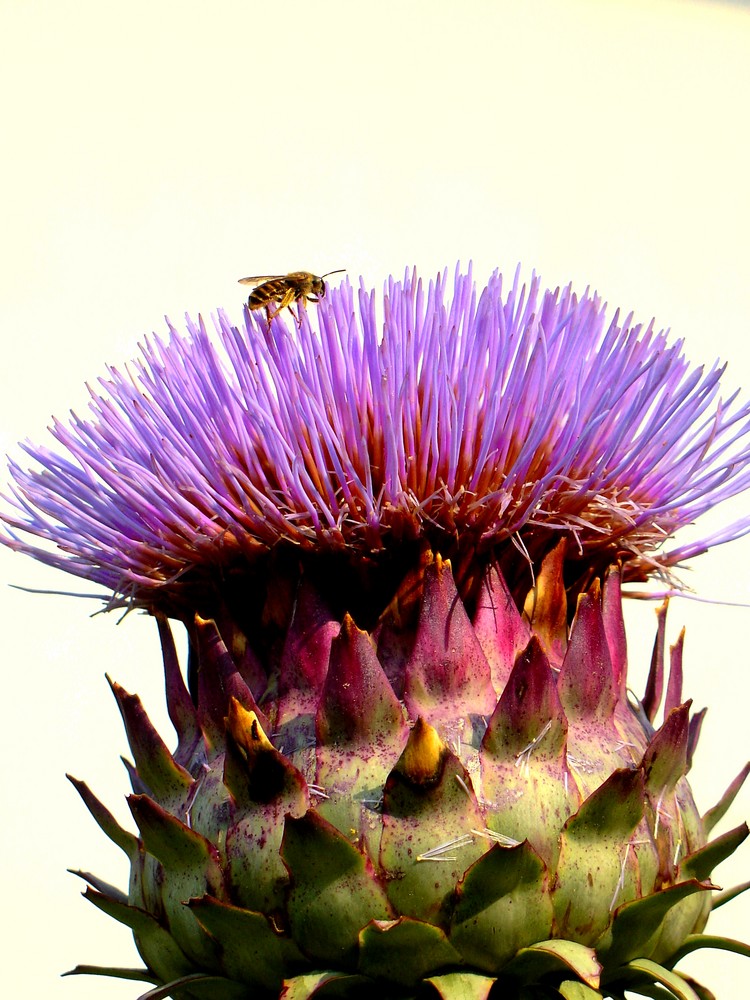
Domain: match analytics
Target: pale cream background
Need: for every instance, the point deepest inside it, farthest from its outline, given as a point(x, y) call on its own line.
point(155, 152)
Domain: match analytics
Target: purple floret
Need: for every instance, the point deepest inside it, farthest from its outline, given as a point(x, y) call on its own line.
point(472, 421)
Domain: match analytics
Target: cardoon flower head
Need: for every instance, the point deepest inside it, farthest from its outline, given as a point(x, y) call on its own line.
point(396, 532)
point(485, 426)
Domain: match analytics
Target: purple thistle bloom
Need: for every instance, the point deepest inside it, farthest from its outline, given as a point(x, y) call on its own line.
point(481, 424)
point(407, 749)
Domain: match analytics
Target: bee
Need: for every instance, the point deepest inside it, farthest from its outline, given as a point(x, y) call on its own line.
point(298, 286)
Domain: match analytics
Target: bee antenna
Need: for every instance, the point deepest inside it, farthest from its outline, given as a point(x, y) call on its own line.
point(341, 270)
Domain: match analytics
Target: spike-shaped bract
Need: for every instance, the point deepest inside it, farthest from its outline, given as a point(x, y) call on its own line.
point(391, 842)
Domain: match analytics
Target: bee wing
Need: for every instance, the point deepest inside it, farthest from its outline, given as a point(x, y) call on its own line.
point(258, 279)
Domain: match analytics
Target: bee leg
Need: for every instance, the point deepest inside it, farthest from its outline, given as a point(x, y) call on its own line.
point(283, 303)
point(286, 301)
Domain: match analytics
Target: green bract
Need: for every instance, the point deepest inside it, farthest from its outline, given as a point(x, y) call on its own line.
point(443, 804)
